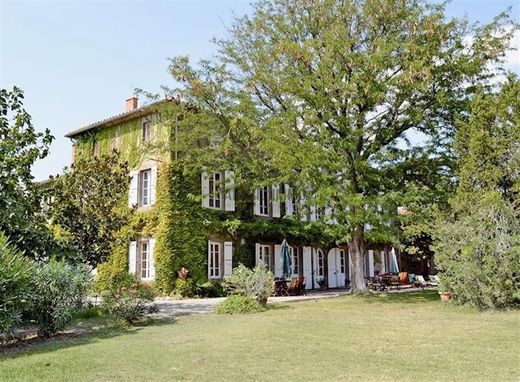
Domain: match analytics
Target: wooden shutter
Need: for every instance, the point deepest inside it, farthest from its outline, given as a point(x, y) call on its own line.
point(228, 257)
point(370, 263)
point(229, 178)
point(204, 185)
point(288, 200)
point(303, 208)
point(209, 259)
point(132, 192)
point(275, 200)
point(257, 253)
point(151, 244)
point(313, 213)
point(153, 184)
point(277, 260)
point(132, 257)
point(307, 266)
point(256, 207)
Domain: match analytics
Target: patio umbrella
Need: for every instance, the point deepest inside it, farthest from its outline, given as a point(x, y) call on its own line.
point(285, 259)
point(394, 267)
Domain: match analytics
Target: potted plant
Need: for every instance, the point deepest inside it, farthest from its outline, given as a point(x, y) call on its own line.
point(321, 282)
point(444, 293)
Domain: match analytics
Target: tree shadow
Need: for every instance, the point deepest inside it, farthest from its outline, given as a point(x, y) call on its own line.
point(82, 332)
point(415, 297)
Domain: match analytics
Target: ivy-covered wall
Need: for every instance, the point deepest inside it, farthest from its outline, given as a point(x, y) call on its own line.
point(177, 221)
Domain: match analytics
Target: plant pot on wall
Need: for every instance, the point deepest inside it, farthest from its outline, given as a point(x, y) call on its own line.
point(445, 296)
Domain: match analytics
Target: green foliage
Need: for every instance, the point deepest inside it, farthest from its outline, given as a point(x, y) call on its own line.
point(20, 198)
point(210, 289)
point(477, 244)
point(90, 205)
point(256, 283)
point(129, 301)
point(16, 285)
point(478, 254)
point(181, 235)
point(60, 291)
point(184, 287)
point(238, 304)
point(322, 96)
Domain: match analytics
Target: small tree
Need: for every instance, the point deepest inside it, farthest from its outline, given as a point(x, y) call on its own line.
point(20, 200)
point(90, 206)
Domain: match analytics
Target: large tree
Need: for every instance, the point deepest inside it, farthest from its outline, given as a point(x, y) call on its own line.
point(90, 207)
point(20, 197)
point(325, 95)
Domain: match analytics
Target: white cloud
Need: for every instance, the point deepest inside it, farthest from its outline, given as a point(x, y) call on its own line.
point(513, 56)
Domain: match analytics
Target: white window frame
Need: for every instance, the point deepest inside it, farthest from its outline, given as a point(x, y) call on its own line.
point(320, 263)
point(216, 195)
point(264, 201)
point(146, 131)
point(295, 259)
point(145, 188)
point(215, 252)
point(342, 261)
point(266, 256)
point(144, 260)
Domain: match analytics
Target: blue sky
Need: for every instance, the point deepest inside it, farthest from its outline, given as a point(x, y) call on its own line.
point(77, 61)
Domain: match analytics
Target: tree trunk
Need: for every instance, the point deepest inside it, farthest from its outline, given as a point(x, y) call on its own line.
point(356, 248)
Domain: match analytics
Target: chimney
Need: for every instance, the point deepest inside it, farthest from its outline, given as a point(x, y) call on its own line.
point(131, 104)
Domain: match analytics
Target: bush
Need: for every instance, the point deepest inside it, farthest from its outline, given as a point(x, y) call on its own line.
point(256, 283)
point(184, 287)
point(129, 301)
point(478, 254)
point(60, 291)
point(238, 304)
point(210, 289)
point(16, 286)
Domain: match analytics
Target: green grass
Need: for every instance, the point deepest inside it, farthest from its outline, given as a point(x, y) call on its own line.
point(393, 337)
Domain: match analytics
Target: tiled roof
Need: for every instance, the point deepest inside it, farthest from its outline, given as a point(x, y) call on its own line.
point(127, 116)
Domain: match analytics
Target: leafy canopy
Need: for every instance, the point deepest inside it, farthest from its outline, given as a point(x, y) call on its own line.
point(89, 207)
point(20, 199)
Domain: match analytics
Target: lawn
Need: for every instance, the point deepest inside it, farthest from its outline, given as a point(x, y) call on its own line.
point(387, 337)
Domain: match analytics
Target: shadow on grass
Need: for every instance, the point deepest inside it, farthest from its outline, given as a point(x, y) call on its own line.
point(417, 297)
point(82, 332)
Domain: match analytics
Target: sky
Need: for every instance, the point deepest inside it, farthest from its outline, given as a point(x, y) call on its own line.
point(78, 61)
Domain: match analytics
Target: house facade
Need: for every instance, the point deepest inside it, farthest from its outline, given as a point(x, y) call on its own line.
point(266, 216)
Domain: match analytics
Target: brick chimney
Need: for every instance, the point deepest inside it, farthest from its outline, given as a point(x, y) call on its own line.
point(131, 104)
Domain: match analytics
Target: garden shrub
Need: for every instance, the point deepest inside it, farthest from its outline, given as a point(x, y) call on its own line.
point(129, 302)
point(16, 286)
point(184, 287)
point(238, 304)
point(60, 291)
point(478, 254)
point(256, 283)
point(210, 289)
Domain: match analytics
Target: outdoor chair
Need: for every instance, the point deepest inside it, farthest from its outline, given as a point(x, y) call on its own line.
point(294, 287)
point(434, 280)
point(421, 281)
point(301, 285)
point(403, 280)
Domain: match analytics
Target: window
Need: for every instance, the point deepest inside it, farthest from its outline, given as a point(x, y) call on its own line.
point(144, 251)
point(145, 188)
point(266, 256)
point(263, 200)
point(320, 263)
point(215, 193)
point(146, 129)
point(341, 261)
point(215, 260)
point(295, 205)
point(295, 257)
point(95, 148)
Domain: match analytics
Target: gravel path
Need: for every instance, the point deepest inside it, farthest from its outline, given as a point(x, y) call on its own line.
point(170, 308)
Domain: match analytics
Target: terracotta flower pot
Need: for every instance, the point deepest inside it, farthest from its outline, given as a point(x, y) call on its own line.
point(445, 296)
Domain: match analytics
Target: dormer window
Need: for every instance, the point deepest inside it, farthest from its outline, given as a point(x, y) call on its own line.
point(146, 129)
